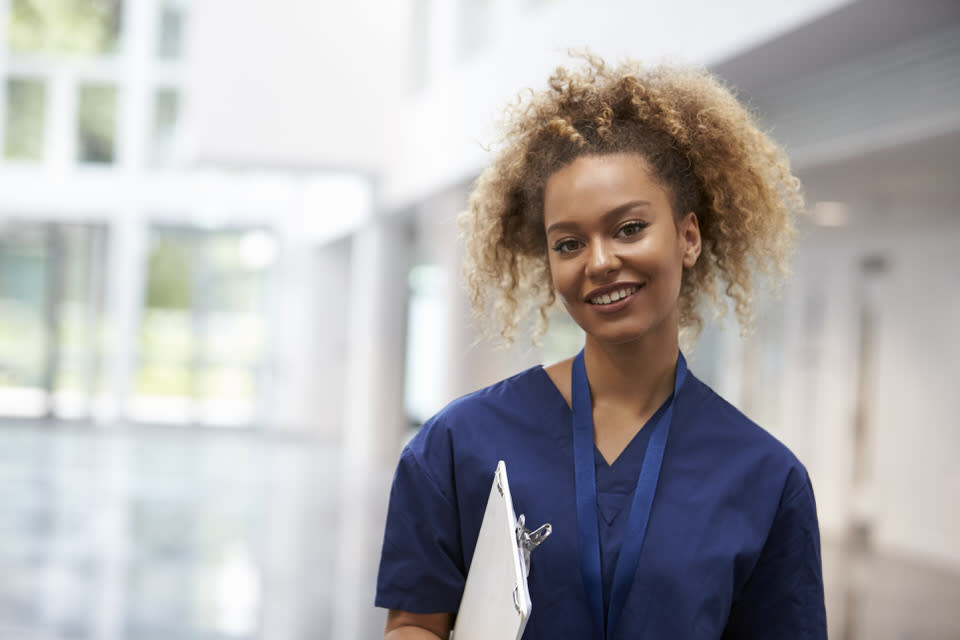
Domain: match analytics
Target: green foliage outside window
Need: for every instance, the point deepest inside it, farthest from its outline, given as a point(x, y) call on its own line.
point(203, 331)
point(168, 275)
point(26, 112)
point(96, 122)
point(166, 111)
point(171, 23)
point(81, 27)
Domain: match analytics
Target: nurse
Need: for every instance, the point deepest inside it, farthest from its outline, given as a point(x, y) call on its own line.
point(637, 197)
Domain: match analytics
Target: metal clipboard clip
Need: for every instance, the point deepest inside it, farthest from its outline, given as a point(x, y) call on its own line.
point(528, 540)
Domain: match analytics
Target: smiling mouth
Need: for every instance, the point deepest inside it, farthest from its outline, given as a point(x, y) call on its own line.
point(614, 296)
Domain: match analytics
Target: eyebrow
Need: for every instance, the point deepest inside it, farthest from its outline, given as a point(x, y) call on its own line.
point(616, 212)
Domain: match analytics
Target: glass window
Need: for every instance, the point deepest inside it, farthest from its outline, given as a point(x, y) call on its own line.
point(166, 340)
point(426, 342)
point(26, 110)
point(51, 317)
point(170, 26)
point(24, 265)
point(96, 124)
point(166, 112)
point(203, 341)
point(81, 328)
point(82, 27)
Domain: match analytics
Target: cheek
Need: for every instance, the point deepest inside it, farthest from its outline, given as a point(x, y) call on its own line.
point(563, 294)
point(671, 271)
point(556, 272)
point(564, 282)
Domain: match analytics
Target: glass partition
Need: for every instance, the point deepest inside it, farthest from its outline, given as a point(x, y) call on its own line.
point(51, 317)
point(26, 115)
point(203, 338)
point(96, 124)
point(72, 27)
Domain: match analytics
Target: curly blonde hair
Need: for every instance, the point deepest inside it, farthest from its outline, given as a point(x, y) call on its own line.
point(700, 143)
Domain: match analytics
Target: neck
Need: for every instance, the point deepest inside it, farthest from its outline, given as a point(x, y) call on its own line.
point(636, 377)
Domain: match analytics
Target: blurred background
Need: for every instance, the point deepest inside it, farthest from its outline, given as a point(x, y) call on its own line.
point(229, 290)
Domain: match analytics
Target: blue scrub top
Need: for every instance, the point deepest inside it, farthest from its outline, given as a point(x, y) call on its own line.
point(732, 547)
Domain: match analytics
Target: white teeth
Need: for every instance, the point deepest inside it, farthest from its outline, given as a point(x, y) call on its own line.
point(607, 298)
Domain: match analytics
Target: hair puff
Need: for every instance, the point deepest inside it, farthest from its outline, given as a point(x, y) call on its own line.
point(700, 143)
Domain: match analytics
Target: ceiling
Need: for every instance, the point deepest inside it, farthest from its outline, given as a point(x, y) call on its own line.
point(919, 180)
point(842, 70)
point(856, 30)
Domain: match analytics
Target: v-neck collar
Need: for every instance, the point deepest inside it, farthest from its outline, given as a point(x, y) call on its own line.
point(642, 434)
point(601, 461)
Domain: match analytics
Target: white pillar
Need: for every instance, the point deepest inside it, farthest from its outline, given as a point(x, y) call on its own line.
point(373, 422)
point(128, 244)
point(135, 94)
point(125, 266)
point(311, 320)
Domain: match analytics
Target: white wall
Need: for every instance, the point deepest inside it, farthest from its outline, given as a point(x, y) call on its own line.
point(322, 84)
point(912, 434)
point(296, 83)
point(444, 127)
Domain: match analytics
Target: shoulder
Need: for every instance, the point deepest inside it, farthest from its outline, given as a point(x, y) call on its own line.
point(717, 428)
point(524, 392)
point(720, 418)
point(515, 402)
point(506, 419)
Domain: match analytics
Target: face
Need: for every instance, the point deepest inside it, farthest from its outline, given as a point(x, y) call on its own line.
point(617, 251)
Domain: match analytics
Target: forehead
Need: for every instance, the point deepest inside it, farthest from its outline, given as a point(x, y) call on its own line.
point(595, 184)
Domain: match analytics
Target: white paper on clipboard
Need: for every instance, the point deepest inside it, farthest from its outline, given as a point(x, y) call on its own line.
point(496, 601)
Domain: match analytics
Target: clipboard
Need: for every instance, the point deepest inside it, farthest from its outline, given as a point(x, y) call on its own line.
point(496, 600)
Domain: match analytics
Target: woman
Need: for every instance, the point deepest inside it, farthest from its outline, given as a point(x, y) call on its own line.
point(635, 196)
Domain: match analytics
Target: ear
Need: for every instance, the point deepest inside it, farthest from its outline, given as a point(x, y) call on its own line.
point(689, 236)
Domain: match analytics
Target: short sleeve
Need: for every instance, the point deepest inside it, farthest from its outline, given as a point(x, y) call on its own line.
point(421, 563)
point(783, 597)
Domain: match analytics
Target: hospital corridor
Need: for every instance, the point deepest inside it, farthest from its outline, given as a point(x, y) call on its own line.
point(231, 290)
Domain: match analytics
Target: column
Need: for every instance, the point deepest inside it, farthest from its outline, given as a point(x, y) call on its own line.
point(373, 420)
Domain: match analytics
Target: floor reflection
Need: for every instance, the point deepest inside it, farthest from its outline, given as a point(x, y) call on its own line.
point(888, 598)
point(157, 533)
point(179, 534)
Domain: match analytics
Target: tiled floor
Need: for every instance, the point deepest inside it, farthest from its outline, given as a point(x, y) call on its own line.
point(156, 533)
point(143, 533)
point(888, 598)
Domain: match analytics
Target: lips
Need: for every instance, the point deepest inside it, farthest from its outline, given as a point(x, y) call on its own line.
point(611, 294)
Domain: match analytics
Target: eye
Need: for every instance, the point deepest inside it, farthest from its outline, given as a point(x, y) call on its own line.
point(566, 246)
point(631, 228)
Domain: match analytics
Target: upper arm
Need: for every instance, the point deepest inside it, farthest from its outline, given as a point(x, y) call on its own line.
point(783, 597)
point(438, 624)
point(422, 567)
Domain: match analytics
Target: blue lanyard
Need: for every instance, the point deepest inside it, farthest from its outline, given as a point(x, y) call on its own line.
point(586, 482)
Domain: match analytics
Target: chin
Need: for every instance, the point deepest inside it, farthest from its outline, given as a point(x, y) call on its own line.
point(617, 336)
point(618, 339)
point(624, 333)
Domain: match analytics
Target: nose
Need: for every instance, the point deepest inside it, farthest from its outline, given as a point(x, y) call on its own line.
point(602, 260)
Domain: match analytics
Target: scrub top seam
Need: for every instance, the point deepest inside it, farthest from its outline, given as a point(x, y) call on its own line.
point(424, 469)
